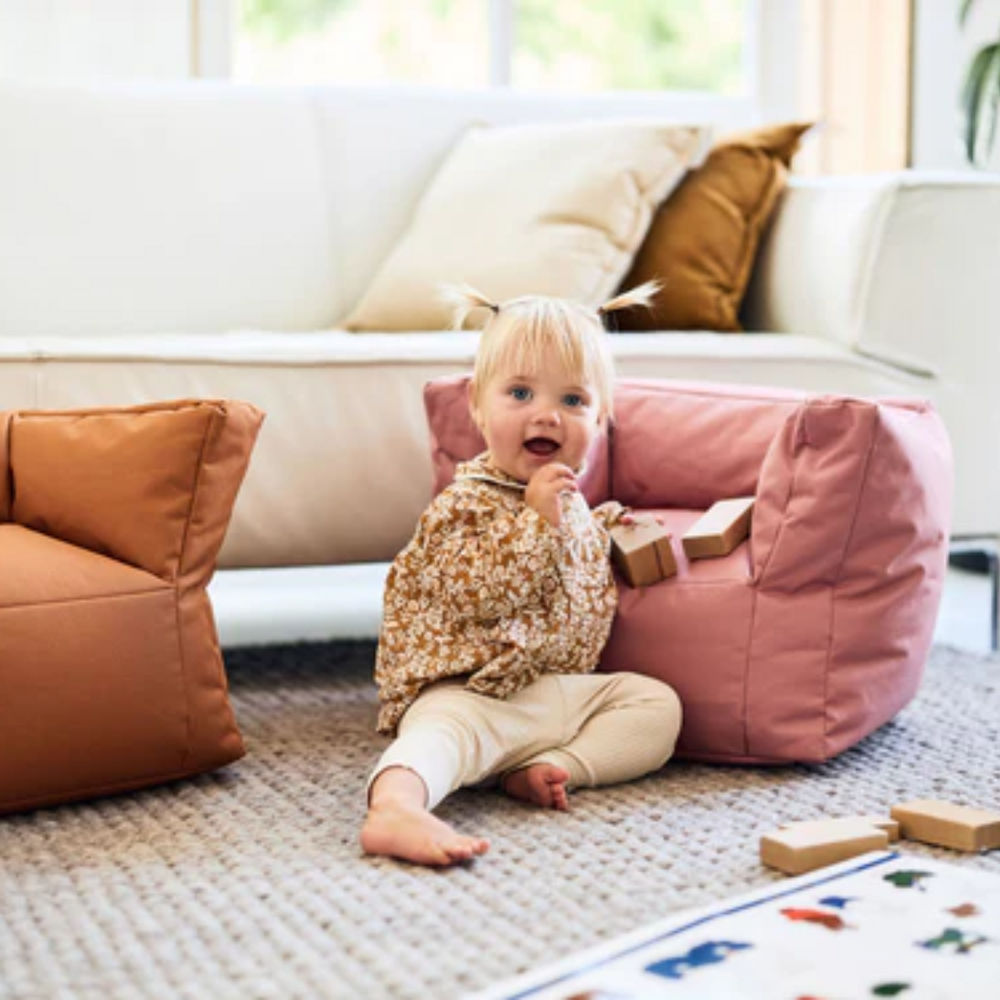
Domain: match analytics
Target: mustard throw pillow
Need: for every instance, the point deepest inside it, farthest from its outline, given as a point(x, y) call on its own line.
point(703, 240)
point(547, 209)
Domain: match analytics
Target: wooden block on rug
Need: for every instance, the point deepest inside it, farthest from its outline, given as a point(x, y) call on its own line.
point(945, 824)
point(641, 551)
point(719, 530)
point(797, 848)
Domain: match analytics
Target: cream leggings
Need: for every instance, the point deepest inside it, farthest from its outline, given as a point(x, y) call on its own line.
point(602, 728)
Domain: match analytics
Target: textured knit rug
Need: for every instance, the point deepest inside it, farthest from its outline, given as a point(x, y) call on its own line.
point(249, 883)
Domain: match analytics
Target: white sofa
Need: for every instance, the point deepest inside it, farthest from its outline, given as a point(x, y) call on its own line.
point(204, 240)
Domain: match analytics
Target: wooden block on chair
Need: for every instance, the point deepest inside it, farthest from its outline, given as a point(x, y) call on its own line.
point(948, 825)
point(720, 529)
point(797, 848)
point(641, 551)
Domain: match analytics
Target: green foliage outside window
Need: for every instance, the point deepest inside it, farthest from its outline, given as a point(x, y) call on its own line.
point(565, 44)
point(283, 20)
point(638, 44)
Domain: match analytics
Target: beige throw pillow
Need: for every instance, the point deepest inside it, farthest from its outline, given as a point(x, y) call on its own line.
point(530, 209)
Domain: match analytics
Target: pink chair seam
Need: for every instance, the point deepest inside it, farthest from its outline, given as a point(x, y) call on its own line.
point(788, 499)
point(873, 440)
point(745, 719)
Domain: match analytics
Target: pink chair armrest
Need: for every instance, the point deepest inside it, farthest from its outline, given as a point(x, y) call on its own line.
point(851, 487)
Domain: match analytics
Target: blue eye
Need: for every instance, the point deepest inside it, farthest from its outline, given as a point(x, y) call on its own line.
point(520, 393)
point(573, 399)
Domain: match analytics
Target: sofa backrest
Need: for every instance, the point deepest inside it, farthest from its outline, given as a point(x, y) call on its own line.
point(202, 207)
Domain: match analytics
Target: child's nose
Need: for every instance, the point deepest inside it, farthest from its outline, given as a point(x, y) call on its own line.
point(547, 414)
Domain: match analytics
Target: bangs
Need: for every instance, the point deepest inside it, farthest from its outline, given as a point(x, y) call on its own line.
point(528, 332)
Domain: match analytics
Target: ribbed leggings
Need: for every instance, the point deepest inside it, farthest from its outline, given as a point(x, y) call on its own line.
point(602, 728)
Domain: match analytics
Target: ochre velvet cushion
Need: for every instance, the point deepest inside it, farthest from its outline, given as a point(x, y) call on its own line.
point(110, 667)
point(547, 209)
point(704, 238)
point(815, 631)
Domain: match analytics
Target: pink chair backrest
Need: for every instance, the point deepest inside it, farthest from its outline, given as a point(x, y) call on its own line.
point(685, 444)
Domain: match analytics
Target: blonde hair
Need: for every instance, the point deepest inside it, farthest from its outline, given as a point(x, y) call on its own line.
point(520, 332)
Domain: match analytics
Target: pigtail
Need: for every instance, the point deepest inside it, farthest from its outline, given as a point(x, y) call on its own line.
point(462, 300)
point(641, 295)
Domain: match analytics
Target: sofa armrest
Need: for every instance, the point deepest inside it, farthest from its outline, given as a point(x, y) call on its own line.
point(152, 486)
point(852, 493)
point(900, 266)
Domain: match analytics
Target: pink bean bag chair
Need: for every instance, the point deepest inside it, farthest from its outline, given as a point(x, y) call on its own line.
point(815, 631)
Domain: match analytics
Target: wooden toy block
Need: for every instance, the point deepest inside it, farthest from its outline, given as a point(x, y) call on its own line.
point(948, 825)
point(886, 823)
point(641, 551)
point(719, 530)
point(797, 848)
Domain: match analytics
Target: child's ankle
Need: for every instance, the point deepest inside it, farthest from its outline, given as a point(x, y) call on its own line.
point(397, 786)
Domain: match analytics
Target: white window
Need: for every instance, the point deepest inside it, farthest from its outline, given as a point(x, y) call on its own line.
point(707, 46)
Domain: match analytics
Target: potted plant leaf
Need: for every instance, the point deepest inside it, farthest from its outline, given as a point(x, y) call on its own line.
point(980, 96)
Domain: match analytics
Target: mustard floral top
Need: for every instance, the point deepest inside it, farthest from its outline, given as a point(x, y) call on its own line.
point(487, 589)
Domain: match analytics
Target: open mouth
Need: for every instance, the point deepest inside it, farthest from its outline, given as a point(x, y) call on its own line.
point(541, 446)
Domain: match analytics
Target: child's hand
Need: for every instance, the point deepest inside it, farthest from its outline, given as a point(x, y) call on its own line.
point(545, 488)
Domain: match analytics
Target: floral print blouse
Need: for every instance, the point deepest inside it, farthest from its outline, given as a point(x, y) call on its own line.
point(488, 590)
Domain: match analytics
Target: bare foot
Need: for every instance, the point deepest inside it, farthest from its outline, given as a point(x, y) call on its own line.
point(399, 830)
point(399, 825)
point(542, 784)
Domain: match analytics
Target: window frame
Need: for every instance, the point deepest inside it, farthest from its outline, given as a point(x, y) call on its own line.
point(770, 65)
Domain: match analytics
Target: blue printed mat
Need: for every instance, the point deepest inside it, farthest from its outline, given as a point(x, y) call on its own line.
point(883, 925)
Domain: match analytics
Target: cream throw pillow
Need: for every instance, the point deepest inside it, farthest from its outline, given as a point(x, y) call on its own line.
point(530, 209)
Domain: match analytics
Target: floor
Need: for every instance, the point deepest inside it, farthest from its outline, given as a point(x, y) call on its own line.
point(253, 607)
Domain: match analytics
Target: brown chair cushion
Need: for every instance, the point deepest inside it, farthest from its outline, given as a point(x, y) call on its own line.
point(703, 240)
point(110, 667)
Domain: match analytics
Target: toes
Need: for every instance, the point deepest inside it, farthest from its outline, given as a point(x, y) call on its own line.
point(466, 850)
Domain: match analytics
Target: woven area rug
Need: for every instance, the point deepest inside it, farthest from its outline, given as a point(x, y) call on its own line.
point(249, 883)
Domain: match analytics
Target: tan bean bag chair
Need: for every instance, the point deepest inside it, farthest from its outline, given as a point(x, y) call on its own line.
point(110, 523)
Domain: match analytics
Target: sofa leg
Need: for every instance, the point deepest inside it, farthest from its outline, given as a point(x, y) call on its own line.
point(995, 581)
point(982, 555)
